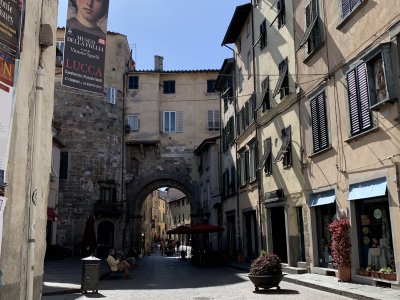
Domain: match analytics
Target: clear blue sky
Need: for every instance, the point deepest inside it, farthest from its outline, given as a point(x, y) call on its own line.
point(188, 34)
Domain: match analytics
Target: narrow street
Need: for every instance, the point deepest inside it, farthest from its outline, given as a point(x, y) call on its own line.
point(162, 277)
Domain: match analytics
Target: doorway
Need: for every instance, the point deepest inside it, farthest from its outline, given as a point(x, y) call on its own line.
point(105, 238)
point(278, 226)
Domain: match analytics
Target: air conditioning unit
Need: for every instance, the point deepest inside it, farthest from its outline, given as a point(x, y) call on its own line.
point(274, 196)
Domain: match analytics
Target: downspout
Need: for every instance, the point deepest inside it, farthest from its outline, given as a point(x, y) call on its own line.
point(123, 157)
point(259, 143)
point(34, 192)
point(239, 244)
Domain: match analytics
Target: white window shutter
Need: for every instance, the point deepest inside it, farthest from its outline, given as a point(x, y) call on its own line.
point(216, 119)
point(179, 121)
point(162, 121)
point(210, 120)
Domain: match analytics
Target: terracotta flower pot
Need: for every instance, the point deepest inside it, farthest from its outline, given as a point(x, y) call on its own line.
point(344, 273)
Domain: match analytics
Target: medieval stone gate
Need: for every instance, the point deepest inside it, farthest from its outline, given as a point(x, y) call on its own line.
point(148, 170)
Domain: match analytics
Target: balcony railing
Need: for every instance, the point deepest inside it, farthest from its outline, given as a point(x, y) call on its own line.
point(106, 209)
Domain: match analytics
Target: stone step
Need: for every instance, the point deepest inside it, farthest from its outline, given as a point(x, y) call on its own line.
point(293, 270)
point(302, 264)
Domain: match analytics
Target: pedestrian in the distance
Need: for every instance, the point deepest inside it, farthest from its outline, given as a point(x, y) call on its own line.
point(162, 245)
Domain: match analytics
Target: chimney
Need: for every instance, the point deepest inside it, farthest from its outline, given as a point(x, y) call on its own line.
point(158, 63)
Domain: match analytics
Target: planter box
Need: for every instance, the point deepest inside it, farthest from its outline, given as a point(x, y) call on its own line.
point(389, 276)
point(266, 281)
point(375, 274)
point(364, 273)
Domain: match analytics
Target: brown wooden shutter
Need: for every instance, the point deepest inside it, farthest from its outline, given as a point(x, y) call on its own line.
point(353, 102)
point(323, 122)
point(345, 5)
point(365, 114)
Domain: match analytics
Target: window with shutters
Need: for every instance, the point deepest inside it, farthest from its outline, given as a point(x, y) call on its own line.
point(312, 36)
point(266, 160)
point(319, 122)
point(358, 96)
point(172, 121)
point(266, 102)
point(240, 79)
point(133, 82)
point(242, 168)
point(252, 161)
point(348, 6)
point(59, 53)
point(211, 86)
point(169, 86)
point(285, 152)
point(282, 85)
point(249, 64)
point(134, 122)
point(263, 34)
point(232, 183)
point(213, 120)
point(111, 94)
point(230, 131)
point(281, 15)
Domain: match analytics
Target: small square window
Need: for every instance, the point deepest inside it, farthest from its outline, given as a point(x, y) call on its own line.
point(169, 86)
point(211, 86)
point(133, 83)
point(111, 94)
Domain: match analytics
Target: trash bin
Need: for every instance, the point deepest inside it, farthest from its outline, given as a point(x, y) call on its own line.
point(90, 274)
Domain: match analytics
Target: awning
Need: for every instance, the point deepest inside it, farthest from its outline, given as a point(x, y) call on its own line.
point(51, 214)
point(322, 198)
point(368, 189)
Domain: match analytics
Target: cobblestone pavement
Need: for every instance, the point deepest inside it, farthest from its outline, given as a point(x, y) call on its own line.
point(162, 277)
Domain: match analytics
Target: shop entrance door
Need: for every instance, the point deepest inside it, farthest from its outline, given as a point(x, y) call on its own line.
point(278, 226)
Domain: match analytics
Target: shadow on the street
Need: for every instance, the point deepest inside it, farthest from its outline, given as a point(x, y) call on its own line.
point(277, 292)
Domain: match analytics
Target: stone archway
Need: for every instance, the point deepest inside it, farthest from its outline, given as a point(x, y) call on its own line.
point(137, 193)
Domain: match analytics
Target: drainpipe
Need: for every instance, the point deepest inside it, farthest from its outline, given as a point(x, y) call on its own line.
point(239, 244)
point(258, 136)
point(34, 192)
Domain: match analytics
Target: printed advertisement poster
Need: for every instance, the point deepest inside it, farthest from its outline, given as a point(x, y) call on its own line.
point(10, 19)
point(5, 127)
point(85, 45)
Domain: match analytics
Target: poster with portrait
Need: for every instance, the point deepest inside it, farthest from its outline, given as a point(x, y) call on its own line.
point(10, 21)
point(85, 45)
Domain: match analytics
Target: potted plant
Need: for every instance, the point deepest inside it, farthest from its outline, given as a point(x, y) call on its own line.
point(341, 247)
point(266, 271)
point(387, 273)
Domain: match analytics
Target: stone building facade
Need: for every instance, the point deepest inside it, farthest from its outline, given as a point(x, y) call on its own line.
point(167, 115)
point(349, 114)
point(91, 171)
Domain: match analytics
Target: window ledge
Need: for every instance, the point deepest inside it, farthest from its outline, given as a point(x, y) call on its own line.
point(380, 104)
point(320, 151)
point(312, 54)
point(350, 15)
point(356, 137)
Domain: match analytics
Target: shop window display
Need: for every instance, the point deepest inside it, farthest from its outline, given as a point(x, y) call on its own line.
point(325, 214)
point(374, 233)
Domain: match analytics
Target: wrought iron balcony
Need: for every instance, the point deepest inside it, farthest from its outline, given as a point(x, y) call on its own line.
point(106, 209)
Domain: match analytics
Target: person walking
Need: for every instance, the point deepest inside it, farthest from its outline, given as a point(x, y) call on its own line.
point(162, 245)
